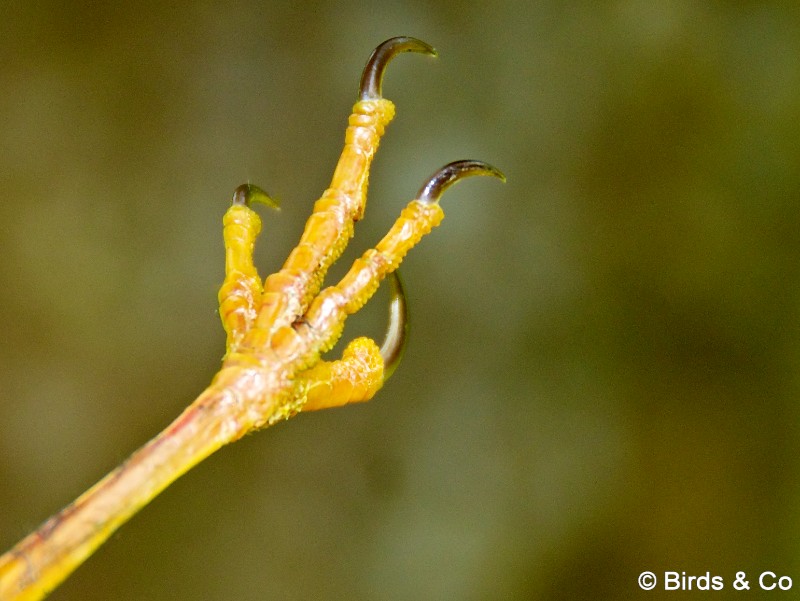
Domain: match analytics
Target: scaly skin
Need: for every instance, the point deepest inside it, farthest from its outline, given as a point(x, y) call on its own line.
point(276, 334)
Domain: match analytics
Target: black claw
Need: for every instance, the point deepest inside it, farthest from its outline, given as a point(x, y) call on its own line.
point(394, 342)
point(246, 194)
point(450, 174)
point(376, 65)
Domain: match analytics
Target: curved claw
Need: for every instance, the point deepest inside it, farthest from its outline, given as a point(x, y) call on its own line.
point(246, 194)
point(394, 342)
point(448, 175)
point(376, 65)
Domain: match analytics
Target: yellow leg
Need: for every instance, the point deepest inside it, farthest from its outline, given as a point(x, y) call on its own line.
point(288, 292)
point(324, 320)
point(240, 294)
point(363, 368)
point(356, 377)
point(275, 337)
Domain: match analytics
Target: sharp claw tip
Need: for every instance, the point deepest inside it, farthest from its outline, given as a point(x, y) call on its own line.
point(246, 194)
point(372, 77)
point(451, 173)
point(493, 172)
point(397, 332)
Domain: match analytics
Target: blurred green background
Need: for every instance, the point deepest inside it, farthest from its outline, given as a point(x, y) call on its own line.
point(602, 372)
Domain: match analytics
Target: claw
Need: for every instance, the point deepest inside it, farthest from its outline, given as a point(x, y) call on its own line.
point(376, 65)
point(394, 342)
point(450, 174)
point(246, 194)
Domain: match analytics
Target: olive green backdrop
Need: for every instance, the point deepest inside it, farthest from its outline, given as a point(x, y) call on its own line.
point(602, 372)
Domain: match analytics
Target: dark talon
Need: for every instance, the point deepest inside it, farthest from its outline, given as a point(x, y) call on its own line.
point(376, 65)
point(450, 174)
point(394, 342)
point(246, 194)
